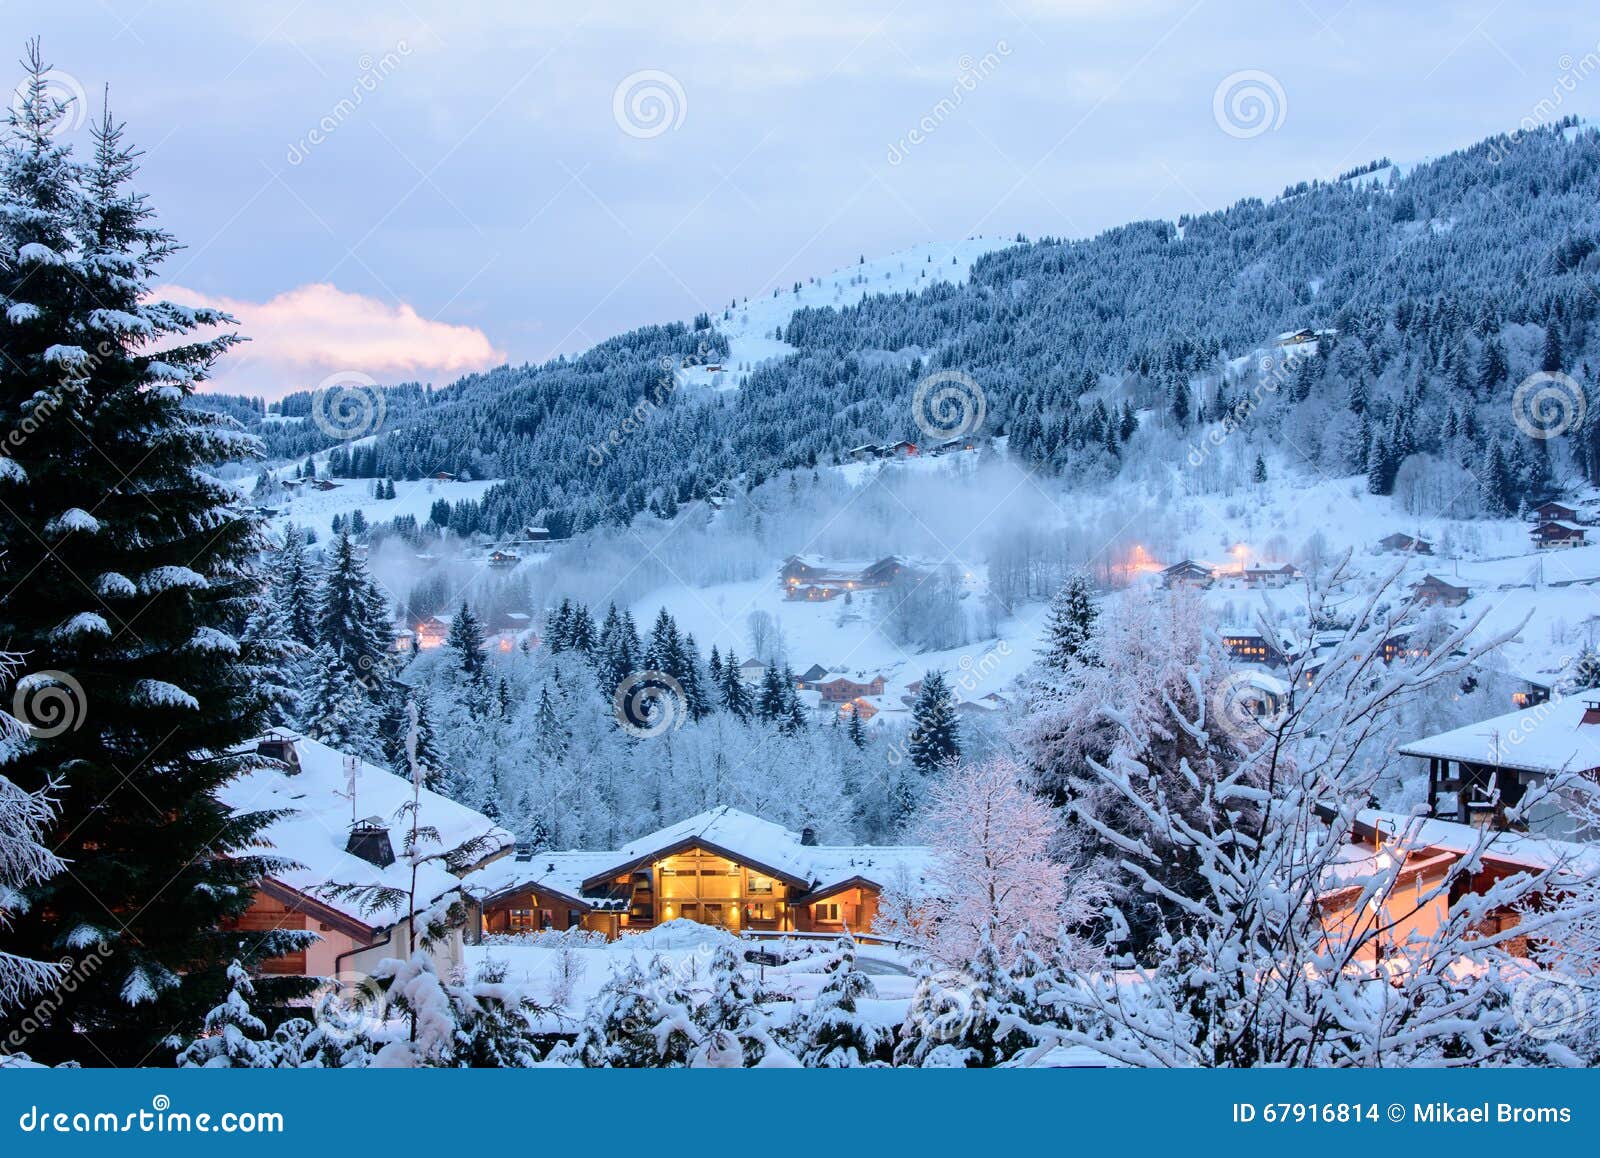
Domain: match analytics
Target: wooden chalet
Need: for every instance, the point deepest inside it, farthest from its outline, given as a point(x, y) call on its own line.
point(1271, 576)
point(1477, 771)
point(1549, 511)
point(840, 689)
point(504, 559)
point(811, 577)
point(1248, 645)
point(723, 867)
point(1188, 573)
point(1433, 591)
point(1405, 544)
point(335, 831)
point(1419, 860)
point(1553, 535)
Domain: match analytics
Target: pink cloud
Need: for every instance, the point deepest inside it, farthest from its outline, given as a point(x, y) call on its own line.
point(302, 335)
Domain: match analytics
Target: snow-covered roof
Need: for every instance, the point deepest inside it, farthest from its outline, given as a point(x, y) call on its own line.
point(747, 839)
point(1518, 849)
point(317, 829)
point(1549, 737)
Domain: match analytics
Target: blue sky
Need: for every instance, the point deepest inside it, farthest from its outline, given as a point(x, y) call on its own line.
point(413, 189)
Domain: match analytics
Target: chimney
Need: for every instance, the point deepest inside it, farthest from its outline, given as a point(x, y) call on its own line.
point(369, 840)
point(808, 836)
point(280, 748)
point(1591, 712)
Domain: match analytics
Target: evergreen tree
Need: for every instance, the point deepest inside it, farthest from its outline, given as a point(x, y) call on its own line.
point(338, 710)
point(1551, 360)
point(1494, 483)
point(353, 615)
point(833, 1034)
point(734, 694)
point(466, 641)
point(935, 734)
point(1069, 624)
point(232, 1037)
point(295, 586)
point(128, 569)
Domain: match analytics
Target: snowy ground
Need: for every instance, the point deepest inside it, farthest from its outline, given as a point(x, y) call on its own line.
point(564, 976)
point(314, 509)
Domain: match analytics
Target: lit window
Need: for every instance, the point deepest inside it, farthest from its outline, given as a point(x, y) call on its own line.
point(826, 911)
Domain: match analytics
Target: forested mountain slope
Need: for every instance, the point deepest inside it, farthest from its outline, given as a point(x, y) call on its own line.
point(1446, 285)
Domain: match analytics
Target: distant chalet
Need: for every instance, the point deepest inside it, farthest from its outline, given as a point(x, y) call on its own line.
point(1556, 535)
point(1188, 574)
point(1405, 544)
point(812, 578)
point(1433, 591)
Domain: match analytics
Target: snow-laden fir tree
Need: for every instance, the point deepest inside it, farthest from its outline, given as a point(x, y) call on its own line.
point(935, 728)
point(232, 1037)
point(1069, 623)
point(25, 821)
point(832, 1033)
point(129, 573)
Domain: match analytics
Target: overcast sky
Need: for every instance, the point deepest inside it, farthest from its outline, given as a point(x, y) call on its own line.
point(414, 190)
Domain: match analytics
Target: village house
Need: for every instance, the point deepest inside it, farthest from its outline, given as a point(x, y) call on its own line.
point(859, 706)
point(503, 559)
point(344, 825)
point(1248, 645)
point(1422, 854)
point(751, 671)
point(1405, 544)
point(1477, 771)
point(1554, 535)
point(1434, 591)
point(1553, 512)
point(722, 867)
point(803, 573)
point(1271, 576)
point(1188, 573)
point(808, 679)
point(838, 689)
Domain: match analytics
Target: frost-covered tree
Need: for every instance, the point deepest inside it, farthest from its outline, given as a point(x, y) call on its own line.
point(25, 820)
point(632, 1023)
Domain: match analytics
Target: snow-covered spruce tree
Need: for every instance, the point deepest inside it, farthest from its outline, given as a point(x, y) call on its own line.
point(336, 708)
point(466, 642)
point(138, 571)
point(294, 581)
point(353, 619)
point(935, 729)
point(832, 1034)
point(1069, 624)
point(631, 1024)
point(1256, 968)
point(733, 1009)
point(232, 1037)
point(968, 1018)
